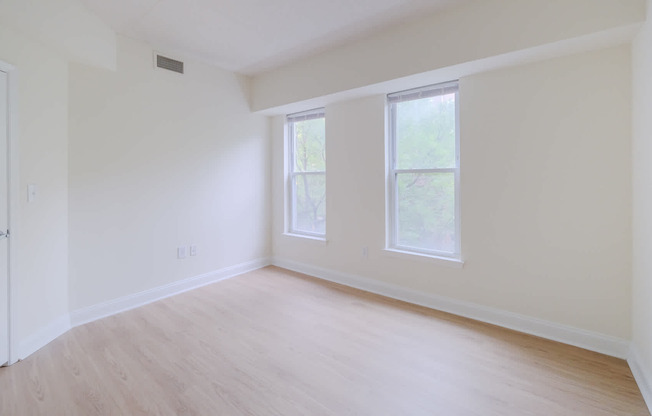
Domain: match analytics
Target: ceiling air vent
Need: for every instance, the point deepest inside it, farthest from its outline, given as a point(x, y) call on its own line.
point(169, 64)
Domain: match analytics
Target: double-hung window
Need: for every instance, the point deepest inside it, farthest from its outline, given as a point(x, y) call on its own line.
point(306, 134)
point(424, 171)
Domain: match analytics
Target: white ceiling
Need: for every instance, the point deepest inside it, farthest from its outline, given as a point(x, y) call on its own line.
point(251, 36)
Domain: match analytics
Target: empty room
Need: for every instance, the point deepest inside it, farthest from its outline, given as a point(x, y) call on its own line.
point(299, 207)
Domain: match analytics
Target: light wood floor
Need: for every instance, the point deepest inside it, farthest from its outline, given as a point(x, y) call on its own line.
point(272, 342)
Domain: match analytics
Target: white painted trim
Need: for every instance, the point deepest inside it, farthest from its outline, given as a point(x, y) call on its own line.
point(392, 196)
point(309, 238)
point(112, 307)
point(605, 344)
point(290, 120)
point(44, 336)
point(14, 205)
point(642, 375)
point(426, 258)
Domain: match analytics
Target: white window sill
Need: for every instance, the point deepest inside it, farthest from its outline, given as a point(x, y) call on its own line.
point(409, 255)
point(321, 240)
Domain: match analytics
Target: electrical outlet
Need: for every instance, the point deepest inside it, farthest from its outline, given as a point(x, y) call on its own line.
point(193, 250)
point(181, 252)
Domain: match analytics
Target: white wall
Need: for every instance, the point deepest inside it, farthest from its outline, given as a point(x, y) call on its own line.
point(642, 205)
point(65, 26)
point(546, 194)
point(40, 281)
point(475, 31)
point(159, 160)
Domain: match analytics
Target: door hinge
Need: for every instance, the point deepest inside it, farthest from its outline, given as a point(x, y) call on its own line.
point(4, 234)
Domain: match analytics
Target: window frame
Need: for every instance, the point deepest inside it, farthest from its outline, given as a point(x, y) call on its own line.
point(290, 119)
point(392, 171)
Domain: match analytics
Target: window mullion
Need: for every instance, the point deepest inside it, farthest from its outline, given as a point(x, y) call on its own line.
point(427, 170)
point(311, 172)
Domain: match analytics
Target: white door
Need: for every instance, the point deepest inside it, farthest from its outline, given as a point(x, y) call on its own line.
point(4, 225)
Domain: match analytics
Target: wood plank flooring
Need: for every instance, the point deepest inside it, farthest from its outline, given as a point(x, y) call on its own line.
point(273, 342)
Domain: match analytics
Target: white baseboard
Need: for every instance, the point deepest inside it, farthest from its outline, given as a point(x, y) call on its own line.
point(43, 336)
point(642, 375)
point(605, 344)
point(102, 310)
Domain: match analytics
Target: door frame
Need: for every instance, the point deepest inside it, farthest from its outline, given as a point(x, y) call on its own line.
point(13, 203)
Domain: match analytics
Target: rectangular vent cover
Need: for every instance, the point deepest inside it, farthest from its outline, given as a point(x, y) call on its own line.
point(169, 64)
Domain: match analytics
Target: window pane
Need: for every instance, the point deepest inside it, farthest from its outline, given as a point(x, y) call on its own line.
point(310, 203)
point(426, 211)
point(309, 150)
point(425, 133)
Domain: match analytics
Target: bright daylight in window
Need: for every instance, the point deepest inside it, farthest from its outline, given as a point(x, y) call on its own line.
point(307, 173)
point(423, 180)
